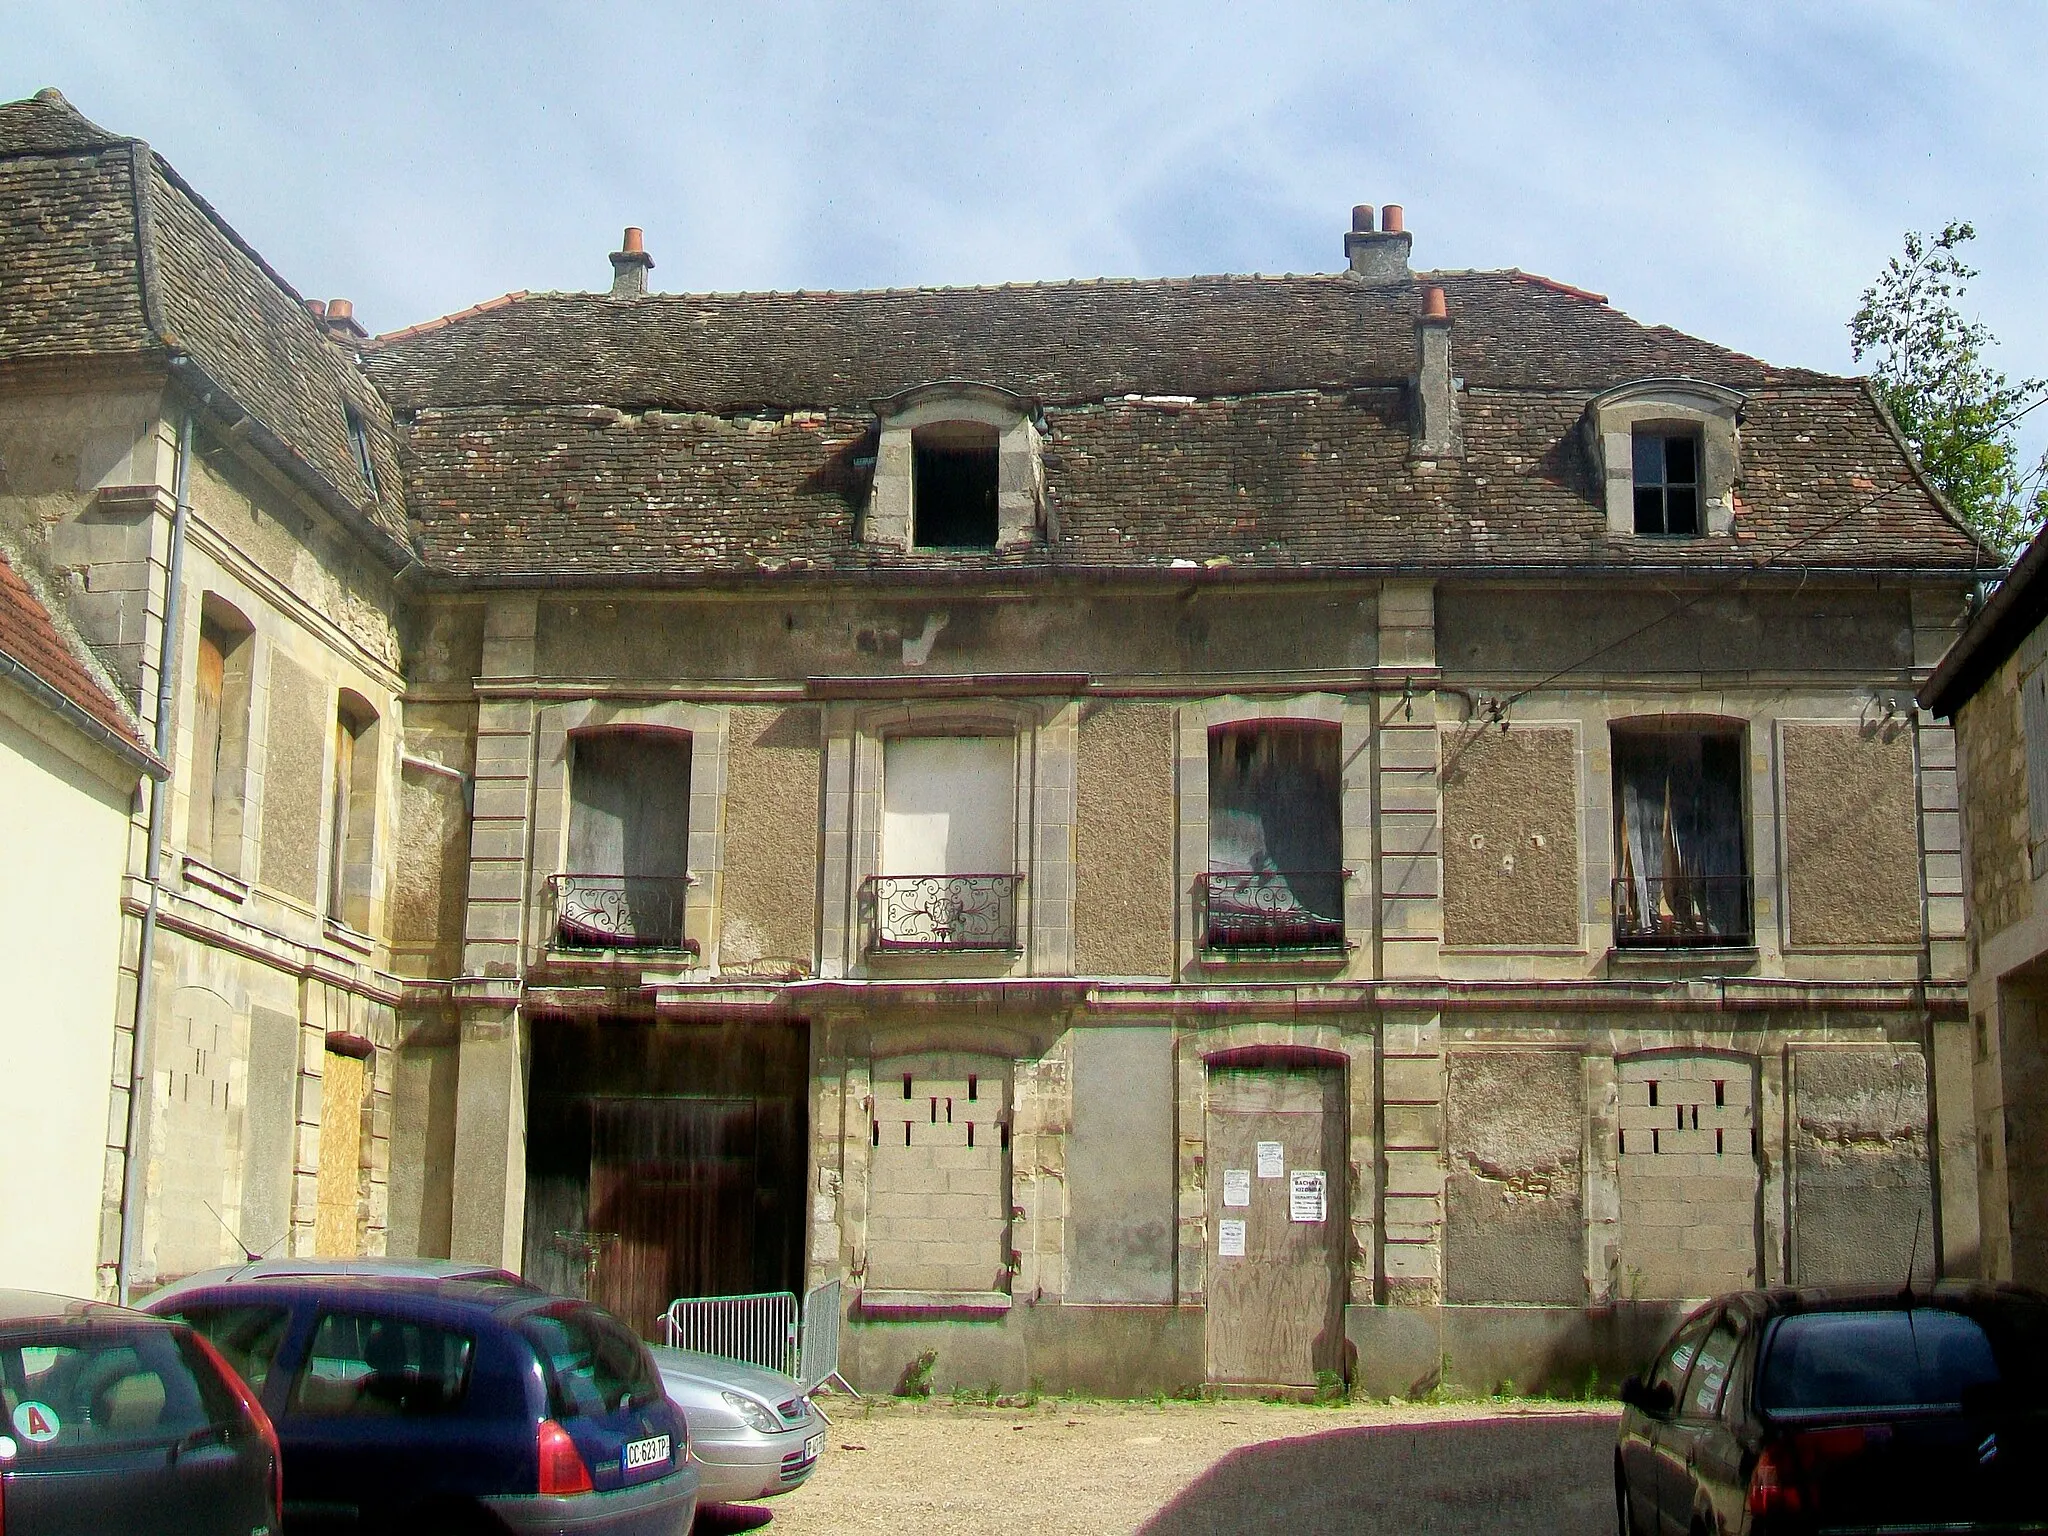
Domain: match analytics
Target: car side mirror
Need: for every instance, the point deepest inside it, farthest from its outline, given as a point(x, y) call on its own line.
point(1657, 1400)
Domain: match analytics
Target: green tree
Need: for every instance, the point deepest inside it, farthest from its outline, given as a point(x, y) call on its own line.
point(1928, 366)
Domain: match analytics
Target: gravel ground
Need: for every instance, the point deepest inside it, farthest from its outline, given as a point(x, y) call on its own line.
point(1062, 1468)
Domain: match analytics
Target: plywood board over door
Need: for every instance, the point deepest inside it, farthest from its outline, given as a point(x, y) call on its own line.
point(1276, 1313)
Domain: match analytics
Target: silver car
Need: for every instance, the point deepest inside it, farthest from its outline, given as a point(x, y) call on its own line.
point(753, 1433)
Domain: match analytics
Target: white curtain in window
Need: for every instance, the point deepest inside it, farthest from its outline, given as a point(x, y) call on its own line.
point(949, 805)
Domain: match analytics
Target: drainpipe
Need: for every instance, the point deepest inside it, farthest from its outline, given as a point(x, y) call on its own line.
point(135, 1168)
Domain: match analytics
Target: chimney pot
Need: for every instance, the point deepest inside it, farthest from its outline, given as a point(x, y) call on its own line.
point(1378, 255)
point(1361, 219)
point(1433, 306)
point(630, 266)
point(317, 308)
point(1390, 219)
point(339, 318)
point(340, 309)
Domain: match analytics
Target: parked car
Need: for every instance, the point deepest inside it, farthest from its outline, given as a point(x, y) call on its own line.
point(448, 1402)
point(754, 1432)
point(118, 1421)
point(1769, 1413)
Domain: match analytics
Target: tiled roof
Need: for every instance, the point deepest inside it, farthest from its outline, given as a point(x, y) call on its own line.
point(1055, 342)
point(75, 284)
point(30, 638)
point(1308, 479)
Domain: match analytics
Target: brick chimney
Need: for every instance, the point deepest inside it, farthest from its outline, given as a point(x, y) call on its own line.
point(1435, 432)
point(1378, 255)
point(339, 316)
point(630, 267)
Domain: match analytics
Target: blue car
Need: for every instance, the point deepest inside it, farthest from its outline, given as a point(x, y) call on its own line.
point(449, 1405)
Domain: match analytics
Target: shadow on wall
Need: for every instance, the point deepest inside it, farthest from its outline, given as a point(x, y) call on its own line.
point(1505, 1475)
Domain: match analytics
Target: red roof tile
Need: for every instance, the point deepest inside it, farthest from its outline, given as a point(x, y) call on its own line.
point(30, 637)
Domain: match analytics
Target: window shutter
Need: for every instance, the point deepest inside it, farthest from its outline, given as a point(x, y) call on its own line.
point(2034, 726)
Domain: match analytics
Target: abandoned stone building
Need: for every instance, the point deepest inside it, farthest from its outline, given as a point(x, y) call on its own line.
point(1216, 829)
point(1994, 686)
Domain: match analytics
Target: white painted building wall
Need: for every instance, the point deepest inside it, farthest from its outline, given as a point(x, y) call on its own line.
point(63, 831)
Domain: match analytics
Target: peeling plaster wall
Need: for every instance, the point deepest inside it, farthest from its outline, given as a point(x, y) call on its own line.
point(1995, 810)
point(1511, 844)
point(1852, 835)
point(1123, 841)
point(294, 772)
point(1513, 1211)
point(432, 855)
point(1859, 1166)
point(770, 888)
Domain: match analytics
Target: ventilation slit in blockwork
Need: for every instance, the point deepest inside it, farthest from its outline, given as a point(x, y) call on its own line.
point(906, 1133)
point(1720, 1145)
point(949, 1109)
point(970, 1133)
point(1720, 1094)
point(1653, 1091)
point(875, 1140)
point(906, 1086)
point(1656, 1140)
point(935, 1109)
point(973, 1087)
point(1004, 1125)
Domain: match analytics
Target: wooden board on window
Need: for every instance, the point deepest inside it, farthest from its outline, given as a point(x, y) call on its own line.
point(341, 1156)
point(1276, 1314)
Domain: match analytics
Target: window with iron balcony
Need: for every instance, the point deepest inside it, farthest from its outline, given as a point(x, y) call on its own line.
point(1275, 882)
point(948, 878)
point(1680, 836)
point(629, 836)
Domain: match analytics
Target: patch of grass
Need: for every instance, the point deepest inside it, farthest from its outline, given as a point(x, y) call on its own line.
point(916, 1380)
point(1330, 1390)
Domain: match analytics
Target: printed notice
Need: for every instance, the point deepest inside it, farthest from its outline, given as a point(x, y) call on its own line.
point(1272, 1160)
point(1308, 1195)
point(1230, 1238)
point(1237, 1186)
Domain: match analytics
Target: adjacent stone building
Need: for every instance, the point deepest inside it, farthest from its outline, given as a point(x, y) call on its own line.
point(1994, 686)
point(1222, 829)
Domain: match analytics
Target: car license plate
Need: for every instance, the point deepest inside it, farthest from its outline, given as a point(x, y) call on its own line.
point(814, 1447)
point(646, 1453)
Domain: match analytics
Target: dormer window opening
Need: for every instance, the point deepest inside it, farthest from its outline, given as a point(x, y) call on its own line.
point(954, 477)
point(1667, 482)
point(359, 440)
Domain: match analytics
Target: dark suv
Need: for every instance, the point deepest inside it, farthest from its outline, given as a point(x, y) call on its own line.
point(114, 1421)
point(455, 1405)
point(1793, 1411)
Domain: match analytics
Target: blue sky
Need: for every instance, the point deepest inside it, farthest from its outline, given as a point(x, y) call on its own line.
point(1739, 170)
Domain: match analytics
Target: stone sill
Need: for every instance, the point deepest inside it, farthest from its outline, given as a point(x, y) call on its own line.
point(1323, 957)
point(934, 1303)
point(340, 933)
point(198, 872)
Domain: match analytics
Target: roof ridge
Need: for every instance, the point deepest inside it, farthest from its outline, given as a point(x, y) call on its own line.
point(461, 314)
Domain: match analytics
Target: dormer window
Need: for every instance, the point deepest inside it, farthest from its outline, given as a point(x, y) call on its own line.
point(1668, 452)
point(1667, 482)
point(953, 480)
point(957, 468)
point(359, 440)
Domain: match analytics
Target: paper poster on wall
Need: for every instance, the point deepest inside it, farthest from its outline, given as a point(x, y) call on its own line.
point(1237, 1186)
point(1307, 1195)
point(1272, 1160)
point(1230, 1238)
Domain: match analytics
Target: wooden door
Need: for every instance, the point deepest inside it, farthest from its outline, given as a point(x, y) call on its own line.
point(1276, 1308)
point(672, 1188)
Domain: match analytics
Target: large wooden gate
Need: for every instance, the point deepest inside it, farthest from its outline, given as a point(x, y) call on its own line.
point(1275, 1173)
point(665, 1161)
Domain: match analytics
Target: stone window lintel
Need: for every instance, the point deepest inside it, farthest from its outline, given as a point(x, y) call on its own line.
point(1713, 411)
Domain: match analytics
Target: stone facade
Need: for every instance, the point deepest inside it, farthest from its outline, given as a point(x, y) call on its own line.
point(1305, 976)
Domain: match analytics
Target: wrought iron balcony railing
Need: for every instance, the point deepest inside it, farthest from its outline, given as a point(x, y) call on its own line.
point(1688, 912)
point(620, 911)
point(941, 912)
point(1273, 909)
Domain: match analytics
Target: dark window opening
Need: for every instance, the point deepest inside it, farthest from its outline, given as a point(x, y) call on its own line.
point(1276, 838)
point(1682, 874)
point(359, 440)
point(954, 483)
point(1667, 480)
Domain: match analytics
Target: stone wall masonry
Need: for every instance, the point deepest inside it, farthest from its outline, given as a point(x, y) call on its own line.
point(1688, 1158)
point(1407, 764)
point(1042, 1121)
point(1860, 1186)
point(1852, 839)
point(1514, 1217)
point(939, 1205)
point(1994, 766)
point(1123, 841)
point(1511, 847)
point(295, 761)
point(770, 888)
point(431, 860)
point(1412, 1159)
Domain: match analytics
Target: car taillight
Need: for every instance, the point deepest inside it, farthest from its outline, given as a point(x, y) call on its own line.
point(561, 1466)
point(253, 1410)
point(1782, 1483)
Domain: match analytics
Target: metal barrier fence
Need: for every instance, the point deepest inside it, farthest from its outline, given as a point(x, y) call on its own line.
point(766, 1329)
point(759, 1329)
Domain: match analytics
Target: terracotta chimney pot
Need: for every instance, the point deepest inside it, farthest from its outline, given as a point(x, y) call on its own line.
point(1433, 306)
point(1361, 219)
point(1390, 219)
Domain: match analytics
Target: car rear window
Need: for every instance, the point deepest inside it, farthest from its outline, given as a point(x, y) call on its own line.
point(1877, 1359)
point(248, 1337)
point(381, 1367)
point(80, 1389)
point(594, 1364)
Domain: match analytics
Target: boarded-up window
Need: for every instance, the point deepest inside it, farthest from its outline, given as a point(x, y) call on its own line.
point(1276, 837)
point(949, 805)
point(341, 1154)
point(2034, 725)
point(1511, 839)
point(220, 736)
point(629, 841)
point(352, 827)
point(938, 1205)
point(1852, 836)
